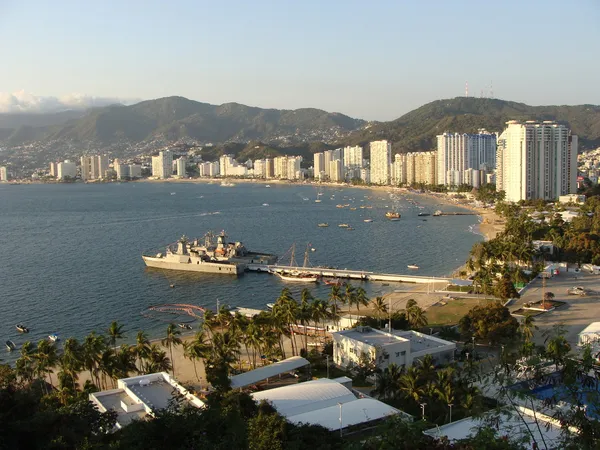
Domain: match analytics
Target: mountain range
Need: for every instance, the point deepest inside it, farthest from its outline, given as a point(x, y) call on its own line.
point(271, 131)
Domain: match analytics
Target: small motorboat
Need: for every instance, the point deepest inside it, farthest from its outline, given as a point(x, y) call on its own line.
point(317, 201)
point(343, 225)
point(10, 346)
point(313, 249)
point(412, 266)
point(171, 286)
point(334, 282)
point(392, 215)
point(268, 186)
point(323, 225)
point(173, 193)
point(265, 204)
point(22, 328)
point(350, 229)
point(368, 220)
point(270, 305)
point(422, 214)
point(54, 337)
point(185, 326)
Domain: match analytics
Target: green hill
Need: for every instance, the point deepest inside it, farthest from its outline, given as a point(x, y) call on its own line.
point(177, 117)
point(417, 129)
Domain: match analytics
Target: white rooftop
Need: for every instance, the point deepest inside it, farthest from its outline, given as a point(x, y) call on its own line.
point(510, 426)
point(371, 336)
point(306, 397)
point(139, 396)
point(421, 341)
point(354, 412)
point(593, 327)
point(272, 370)
point(318, 402)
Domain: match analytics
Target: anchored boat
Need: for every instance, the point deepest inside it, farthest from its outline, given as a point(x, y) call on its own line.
point(22, 328)
point(10, 346)
point(412, 266)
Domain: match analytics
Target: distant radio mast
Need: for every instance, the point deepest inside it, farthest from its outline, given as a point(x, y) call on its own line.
point(466, 88)
point(491, 90)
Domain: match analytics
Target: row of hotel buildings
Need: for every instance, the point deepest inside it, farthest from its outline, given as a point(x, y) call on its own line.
point(528, 160)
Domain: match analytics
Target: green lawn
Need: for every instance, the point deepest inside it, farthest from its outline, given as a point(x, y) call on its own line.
point(452, 311)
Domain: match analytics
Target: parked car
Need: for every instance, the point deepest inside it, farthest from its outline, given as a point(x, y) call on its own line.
point(576, 290)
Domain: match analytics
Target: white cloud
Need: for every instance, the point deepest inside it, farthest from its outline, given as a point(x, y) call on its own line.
point(22, 101)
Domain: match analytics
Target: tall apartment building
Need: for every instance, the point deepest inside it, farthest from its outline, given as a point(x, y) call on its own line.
point(399, 169)
point(259, 168)
point(336, 169)
point(536, 160)
point(94, 167)
point(319, 166)
point(457, 153)
point(162, 165)
point(66, 169)
point(381, 160)
point(417, 167)
point(181, 164)
point(269, 168)
point(3, 173)
point(53, 169)
point(331, 155)
point(209, 169)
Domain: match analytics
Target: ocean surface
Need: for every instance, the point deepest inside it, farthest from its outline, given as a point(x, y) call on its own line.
point(70, 255)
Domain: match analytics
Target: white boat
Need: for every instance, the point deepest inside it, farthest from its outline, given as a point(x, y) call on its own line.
point(173, 193)
point(394, 219)
point(323, 225)
point(10, 346)
point(227, 184)
point(270, 305)
point(53, 337)
point(368, 220)
point(268, 186)
point(302, 277)
point(343, 225)
point(265, 204)
point(317, 201)
point(412, 266)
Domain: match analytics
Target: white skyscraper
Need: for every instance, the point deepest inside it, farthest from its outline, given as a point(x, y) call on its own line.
point(353, 157)
point(181, 166)
point(336, 170)
point(66, 169)
point(3, 174)
point(399, 169)
point(381, 160)
point(319, 166)
point(162, 165)
point(536, 161)
point(135, 171)
point(457, 153)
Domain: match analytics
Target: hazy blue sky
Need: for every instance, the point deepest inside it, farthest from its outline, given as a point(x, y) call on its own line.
point(369, 59)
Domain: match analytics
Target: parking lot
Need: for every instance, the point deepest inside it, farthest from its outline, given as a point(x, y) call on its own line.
point(576, 314)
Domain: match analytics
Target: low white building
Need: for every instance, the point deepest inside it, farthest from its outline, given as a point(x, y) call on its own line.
point(572, 198)
point(590, 334)
point(399, 347)
point(325, 402)
point(137, 397)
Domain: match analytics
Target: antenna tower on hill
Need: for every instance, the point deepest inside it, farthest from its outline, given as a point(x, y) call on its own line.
point(466, 88)
point(491, 90)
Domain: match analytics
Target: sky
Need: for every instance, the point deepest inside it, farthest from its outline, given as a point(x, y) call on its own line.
point(374, 60)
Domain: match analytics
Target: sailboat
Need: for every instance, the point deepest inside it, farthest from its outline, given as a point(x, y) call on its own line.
point(297, 275)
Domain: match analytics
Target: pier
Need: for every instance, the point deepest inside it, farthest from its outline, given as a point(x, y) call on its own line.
point(348, 274)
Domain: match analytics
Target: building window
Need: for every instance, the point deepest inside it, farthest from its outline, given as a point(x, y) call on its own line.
point(397, 354)
point(403, 353)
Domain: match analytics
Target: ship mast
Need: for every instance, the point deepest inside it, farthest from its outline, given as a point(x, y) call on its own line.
point(292, 262)
point(306, 256)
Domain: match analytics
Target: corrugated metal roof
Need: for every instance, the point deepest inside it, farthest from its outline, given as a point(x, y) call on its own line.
point(272, 370)
point(306, 397)
point(354, 412)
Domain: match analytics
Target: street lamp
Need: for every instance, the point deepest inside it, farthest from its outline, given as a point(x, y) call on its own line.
point(341, 428)
point(423, 410)
point(450, 406)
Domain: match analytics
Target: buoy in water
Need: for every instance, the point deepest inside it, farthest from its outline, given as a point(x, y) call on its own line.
point(171, 285)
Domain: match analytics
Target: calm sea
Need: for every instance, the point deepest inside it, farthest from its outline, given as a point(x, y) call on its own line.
point(71, 254)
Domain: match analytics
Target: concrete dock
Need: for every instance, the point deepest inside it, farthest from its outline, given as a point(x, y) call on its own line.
point(348, 274)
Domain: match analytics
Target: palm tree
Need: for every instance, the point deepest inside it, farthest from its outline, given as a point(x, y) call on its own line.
point(47, 358)
point(411, 302)
point(335, 296)
point(93, 345)
point(527, 328)
point(124, 363)
point(198, 348)
point(158, 360)
point(71, 360)
point(349, 294)
point(380, 308)
point(25, 365)
point(416, 317)
point(318, 312)
point(115, 331)
point(226, 349)
point(106, 364)
point(172, 339)
point(142, 349)
point(409, 385)
point(361, 298)
point(286, 310)
point(305, 313)
point(547, 297)
point(253, 339)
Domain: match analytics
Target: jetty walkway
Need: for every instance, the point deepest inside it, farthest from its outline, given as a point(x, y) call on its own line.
point(347, 274)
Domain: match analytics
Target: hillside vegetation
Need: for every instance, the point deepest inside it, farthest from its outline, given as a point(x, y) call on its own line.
point(417, 129)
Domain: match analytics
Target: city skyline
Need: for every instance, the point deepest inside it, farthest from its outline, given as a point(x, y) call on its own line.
point(262, 59)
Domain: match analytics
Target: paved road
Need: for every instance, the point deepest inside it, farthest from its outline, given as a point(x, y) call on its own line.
point(576, 314)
